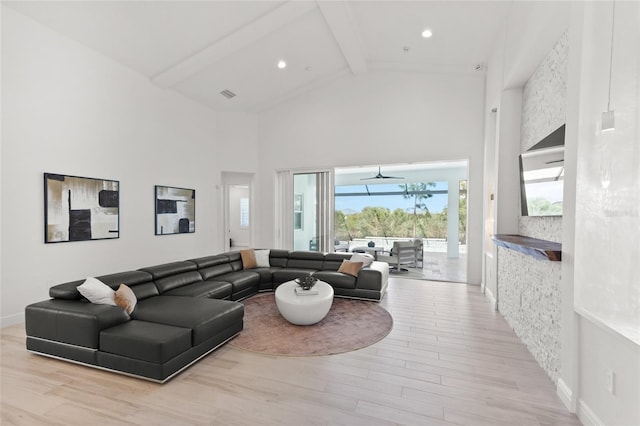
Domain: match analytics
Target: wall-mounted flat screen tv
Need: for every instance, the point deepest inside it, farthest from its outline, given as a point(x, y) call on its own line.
point(542, 177)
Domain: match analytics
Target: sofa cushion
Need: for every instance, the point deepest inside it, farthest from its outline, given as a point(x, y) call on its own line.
point(241, 280)
point(336, 279)
point(305, 260)
point(278, 258)
point(133, 279)
point(146, 341)
point(332, 261)
point(71, 321)
point(235, 260)
point(205, 317)
point(287, 274)
point(167, 269)
point(207, 261)
point(174, 281)
point(266, 274)
point(215, 271)
point(212, 289)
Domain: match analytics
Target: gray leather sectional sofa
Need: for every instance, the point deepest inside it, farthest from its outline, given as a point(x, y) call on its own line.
point(184, 310)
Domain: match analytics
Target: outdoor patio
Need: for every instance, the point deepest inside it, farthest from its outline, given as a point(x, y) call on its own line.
point(436, 265)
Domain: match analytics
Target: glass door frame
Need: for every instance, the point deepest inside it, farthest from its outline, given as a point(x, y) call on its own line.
point(325, 205)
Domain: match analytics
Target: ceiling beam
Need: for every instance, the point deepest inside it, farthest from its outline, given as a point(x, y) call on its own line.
point(235, 41)
point(340, 20)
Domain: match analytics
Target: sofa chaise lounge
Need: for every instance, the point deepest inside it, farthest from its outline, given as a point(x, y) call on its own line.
point(184, 310)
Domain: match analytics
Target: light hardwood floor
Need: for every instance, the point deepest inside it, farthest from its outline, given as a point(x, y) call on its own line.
point(438, 267)
point(450, 359)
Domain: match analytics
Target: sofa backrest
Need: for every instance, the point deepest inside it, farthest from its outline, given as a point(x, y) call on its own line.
point(332, 261)
point(306, 260)
point(173, 275)
point(278, 258)
point(235, 260)
point(139, 281)
point(212, 266)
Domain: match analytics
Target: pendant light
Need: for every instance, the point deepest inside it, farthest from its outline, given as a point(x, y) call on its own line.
point(608, 119)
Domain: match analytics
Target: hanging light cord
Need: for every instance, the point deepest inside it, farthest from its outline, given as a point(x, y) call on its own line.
point(613, 23)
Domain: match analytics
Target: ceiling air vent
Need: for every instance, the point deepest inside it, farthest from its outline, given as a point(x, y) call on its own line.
point(227, 94)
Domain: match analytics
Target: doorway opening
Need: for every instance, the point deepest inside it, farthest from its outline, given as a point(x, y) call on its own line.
point(426, 203)
point(237, 210)
point(312, 211)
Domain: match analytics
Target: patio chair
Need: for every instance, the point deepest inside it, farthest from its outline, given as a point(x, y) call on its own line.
point(419, 246)
point(402, 254)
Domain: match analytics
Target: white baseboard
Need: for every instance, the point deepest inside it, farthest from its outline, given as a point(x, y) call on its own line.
point(11, 320)
point(491, 297)
point(587, 416)
point(566, 395)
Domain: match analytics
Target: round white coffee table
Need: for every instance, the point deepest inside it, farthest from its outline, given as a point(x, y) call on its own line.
point(304, 309)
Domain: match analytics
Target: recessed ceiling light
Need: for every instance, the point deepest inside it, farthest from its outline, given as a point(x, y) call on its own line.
point(282, 64)
point(427, 33)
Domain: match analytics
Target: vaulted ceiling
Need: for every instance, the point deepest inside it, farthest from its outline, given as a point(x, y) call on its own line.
point(201, 48)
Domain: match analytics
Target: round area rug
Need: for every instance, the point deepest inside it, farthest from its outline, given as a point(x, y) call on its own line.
point(349, 325)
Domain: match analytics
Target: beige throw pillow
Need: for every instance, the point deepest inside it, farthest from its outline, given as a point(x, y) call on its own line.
point(248, 258)
point(350, 268)
point(126, 298)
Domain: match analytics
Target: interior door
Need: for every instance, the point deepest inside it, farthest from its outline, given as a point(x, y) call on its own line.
point(239, 217)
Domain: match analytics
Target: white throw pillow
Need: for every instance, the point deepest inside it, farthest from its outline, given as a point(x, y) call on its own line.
point(95, 291)
point(366, 259)
point(262, 258)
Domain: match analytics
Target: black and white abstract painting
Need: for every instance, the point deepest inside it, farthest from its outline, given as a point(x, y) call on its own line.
point(175, 210)
point(80, 208)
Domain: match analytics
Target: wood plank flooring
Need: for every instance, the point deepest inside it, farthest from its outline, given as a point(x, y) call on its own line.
point(449, 360)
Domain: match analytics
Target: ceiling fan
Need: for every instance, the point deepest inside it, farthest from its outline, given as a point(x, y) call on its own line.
point(381, 176)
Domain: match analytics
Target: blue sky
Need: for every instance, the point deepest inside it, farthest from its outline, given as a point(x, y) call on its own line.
point(392, 202)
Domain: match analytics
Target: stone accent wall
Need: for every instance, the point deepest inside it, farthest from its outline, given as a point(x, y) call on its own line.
point(544, 227)
point(544, 104)
point(544, 97)
point(529, 299)
point(529, 289)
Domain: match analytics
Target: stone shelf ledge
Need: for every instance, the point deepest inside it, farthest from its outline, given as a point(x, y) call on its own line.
point(540, 249)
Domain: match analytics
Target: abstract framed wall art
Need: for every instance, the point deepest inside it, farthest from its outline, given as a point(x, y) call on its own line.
point(80, 208)
point(175, 210)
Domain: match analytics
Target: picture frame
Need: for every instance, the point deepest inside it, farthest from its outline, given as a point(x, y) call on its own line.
point(175, 210)
point(80, 208)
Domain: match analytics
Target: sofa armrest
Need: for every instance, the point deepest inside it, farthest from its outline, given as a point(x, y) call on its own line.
point(73, 322)
point(373, 277)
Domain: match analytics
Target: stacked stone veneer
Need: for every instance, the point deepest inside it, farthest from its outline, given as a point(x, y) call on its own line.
point(529, 294)
point(529, 299)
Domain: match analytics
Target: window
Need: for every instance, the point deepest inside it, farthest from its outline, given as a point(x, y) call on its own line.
point(244, 212)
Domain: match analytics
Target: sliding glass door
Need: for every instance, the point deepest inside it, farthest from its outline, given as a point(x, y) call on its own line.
point(306, 212)
point(312, 211)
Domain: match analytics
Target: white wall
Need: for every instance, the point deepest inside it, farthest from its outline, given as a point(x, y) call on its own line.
point(69, 110)
point(492, 106)
point(588, 346)
point(607, 220)
point(379, 117)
